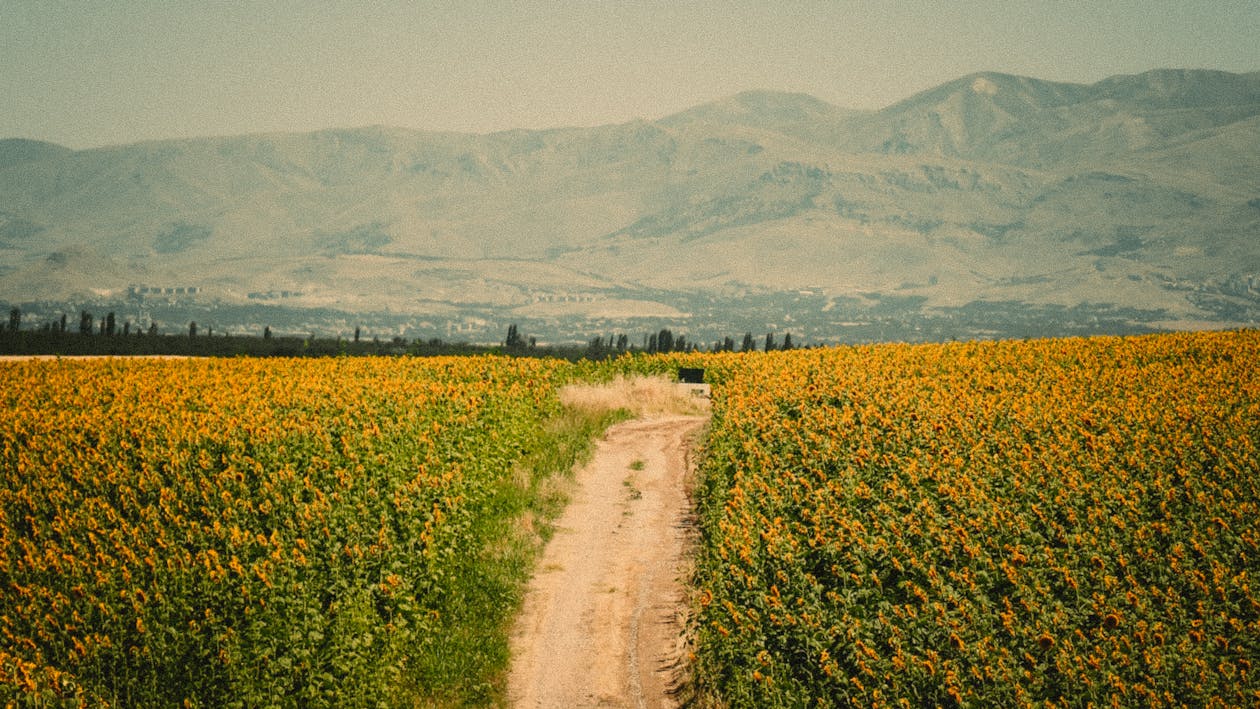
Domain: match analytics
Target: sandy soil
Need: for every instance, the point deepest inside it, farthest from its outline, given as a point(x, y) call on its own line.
point(603, 620)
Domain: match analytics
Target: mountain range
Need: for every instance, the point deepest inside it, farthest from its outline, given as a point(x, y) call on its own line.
point(1137, 196)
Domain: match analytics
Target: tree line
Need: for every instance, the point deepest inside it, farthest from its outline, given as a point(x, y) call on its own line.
point(666, 341)
point(107, 336)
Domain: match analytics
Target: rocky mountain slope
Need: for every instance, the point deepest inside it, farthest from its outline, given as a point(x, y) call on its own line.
point(1138, 192)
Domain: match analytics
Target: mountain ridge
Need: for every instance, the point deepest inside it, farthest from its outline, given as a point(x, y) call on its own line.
point(1135, 192)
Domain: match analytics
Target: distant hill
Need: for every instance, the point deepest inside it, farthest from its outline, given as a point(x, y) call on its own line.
point(1017, 120)
point(1137, 192)
point(15, 151)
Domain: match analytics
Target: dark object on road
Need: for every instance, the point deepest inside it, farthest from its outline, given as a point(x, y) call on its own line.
point(690, 375)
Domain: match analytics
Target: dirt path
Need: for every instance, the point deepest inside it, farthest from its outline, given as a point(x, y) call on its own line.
point(603, 620)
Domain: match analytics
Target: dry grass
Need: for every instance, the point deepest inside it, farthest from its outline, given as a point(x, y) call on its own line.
point(642, 396)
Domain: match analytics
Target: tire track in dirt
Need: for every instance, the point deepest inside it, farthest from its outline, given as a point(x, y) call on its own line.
point(603, 620)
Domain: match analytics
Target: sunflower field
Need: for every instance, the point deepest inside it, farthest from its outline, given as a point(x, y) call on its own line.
point(244, 532)
point(1038, 523)
point(1044, 523)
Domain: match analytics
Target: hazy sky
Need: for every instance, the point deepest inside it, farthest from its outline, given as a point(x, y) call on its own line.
point(98, 72)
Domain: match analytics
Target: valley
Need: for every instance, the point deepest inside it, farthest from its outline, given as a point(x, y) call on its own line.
point(990, 206)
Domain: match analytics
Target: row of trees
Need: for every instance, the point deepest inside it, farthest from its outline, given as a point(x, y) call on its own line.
point(107, 337)
point(88, 325)
point(108, 326)
point(664, 341)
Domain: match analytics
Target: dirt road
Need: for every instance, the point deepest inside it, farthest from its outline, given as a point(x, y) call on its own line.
point(603, 619)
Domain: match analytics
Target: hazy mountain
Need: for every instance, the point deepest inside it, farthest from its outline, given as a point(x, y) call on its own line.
point(1138, 192)
point(14, 151)
point(1017, 120)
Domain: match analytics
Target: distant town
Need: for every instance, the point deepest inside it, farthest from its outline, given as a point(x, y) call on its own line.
point(799, 318)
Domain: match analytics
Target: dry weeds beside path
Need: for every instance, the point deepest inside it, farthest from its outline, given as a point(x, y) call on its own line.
point(603, 620)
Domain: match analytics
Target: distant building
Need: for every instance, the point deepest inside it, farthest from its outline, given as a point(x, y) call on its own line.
point(274, 294)
point(141, 292)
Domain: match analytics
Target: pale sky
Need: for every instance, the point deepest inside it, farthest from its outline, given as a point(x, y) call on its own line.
point(101, 72)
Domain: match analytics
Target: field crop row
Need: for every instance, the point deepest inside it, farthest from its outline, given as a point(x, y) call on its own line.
point(246, 533)
point(1056, 522)
point(1049, 523)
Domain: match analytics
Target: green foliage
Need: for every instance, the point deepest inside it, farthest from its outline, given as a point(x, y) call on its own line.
point(1066, 522)
point(180, 237)
point(335, 532)
point(363, 239)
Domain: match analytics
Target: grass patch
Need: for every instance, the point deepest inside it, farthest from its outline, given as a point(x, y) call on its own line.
point(642, 396)
point(467, 660)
